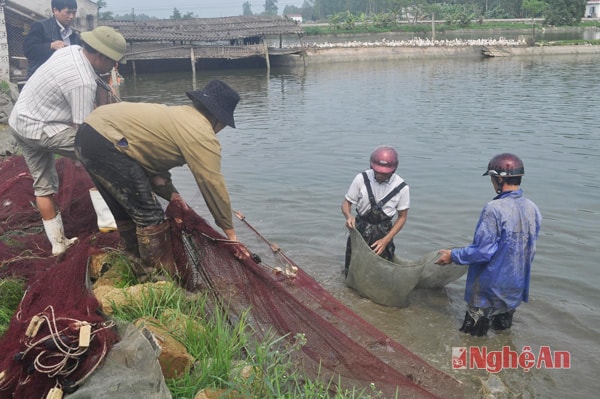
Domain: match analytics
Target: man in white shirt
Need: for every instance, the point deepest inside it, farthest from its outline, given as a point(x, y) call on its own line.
point(52, 104)
point(379, 195)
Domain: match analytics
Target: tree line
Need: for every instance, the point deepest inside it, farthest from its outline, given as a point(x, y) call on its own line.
point(389, 12)
point(554, 12)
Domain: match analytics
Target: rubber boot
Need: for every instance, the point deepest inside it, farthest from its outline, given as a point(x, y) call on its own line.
point(129, 244)
point(155, 247)
point(129, 240)
point(106, 221)
point(56, 234)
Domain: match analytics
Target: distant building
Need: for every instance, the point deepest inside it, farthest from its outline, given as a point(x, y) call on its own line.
point(592, 9)
point(295, 17)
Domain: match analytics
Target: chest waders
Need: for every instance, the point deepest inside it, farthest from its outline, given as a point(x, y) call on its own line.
point(374, 224)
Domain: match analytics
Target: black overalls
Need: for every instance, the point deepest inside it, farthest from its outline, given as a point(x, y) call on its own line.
point(374, 224)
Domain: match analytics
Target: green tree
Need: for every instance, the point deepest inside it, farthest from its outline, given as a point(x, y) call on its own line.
point(270, 7)
point(291, 10)
point(308, 11)
point(103, 15)
point(325, 9)
point(106, 15)
point(418, 9)
point(176, 14)
point(534, 8)
point(246, 9)
point(101, 4)
point(564, 12)
point(132, 17)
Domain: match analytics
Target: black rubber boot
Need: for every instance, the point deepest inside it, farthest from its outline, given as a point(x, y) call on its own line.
point(155, 247)
point(129, 240)
point(503, 321)
point(129, 244)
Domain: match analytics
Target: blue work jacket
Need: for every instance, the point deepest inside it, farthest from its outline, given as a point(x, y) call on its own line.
point(502, 251)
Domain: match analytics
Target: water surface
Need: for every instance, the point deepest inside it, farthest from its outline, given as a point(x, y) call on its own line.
point(304, 133)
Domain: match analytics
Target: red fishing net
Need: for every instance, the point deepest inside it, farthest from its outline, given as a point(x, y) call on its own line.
point(42, 347)
point(340, 346)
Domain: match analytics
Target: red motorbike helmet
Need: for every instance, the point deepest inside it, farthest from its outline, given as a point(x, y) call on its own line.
point(505, 165)
point(384, 159)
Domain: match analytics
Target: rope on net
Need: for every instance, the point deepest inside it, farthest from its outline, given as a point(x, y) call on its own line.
point(58, 353)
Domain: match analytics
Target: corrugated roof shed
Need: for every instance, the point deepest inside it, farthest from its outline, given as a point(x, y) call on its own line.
point(205, 29)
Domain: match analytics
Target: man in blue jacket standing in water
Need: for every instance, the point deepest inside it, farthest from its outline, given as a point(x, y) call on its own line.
point(502, 251)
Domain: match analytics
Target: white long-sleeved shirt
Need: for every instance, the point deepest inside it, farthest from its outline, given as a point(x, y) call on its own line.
point(59, 94)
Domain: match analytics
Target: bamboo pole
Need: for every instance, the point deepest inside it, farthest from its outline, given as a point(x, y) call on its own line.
point(303, 50)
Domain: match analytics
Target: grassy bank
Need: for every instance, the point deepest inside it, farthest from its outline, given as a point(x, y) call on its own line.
point(228, 361)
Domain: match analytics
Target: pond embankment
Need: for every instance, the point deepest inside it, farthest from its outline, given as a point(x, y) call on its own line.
point(379, 53)
point(361, 54)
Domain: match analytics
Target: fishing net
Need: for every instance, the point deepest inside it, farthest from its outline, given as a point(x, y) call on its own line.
point(390, 283)
point(46, 344)
point(277, 300)
point(283, 299)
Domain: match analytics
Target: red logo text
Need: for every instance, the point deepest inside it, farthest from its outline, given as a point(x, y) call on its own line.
point(475, 357)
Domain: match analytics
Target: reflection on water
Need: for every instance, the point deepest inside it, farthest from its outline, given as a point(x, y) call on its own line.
point(303, 134)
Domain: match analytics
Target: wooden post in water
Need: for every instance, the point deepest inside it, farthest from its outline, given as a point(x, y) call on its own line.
point(433, 27)
point(303, 51)
point(267, 55)
point(115, 83)
point(134, 70)
point(193, 59)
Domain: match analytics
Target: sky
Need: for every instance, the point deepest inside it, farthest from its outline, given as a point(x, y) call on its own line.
point(201, 8)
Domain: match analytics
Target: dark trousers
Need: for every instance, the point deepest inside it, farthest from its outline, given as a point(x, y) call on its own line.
point(371, 230)
point(121, 180)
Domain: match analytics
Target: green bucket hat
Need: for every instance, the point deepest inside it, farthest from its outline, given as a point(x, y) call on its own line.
point(106, 41)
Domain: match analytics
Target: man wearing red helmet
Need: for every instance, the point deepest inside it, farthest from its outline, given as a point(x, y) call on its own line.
point(379, 195)
point(502, 251)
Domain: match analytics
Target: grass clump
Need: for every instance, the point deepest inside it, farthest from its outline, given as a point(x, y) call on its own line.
point(227, 357)
point(115, 267)
point(11, 293)
point(578, 42)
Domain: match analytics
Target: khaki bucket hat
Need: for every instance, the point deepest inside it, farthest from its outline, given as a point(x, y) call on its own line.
point(106, 41)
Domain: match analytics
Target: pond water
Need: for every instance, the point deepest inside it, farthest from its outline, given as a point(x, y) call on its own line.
point(304, 133)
